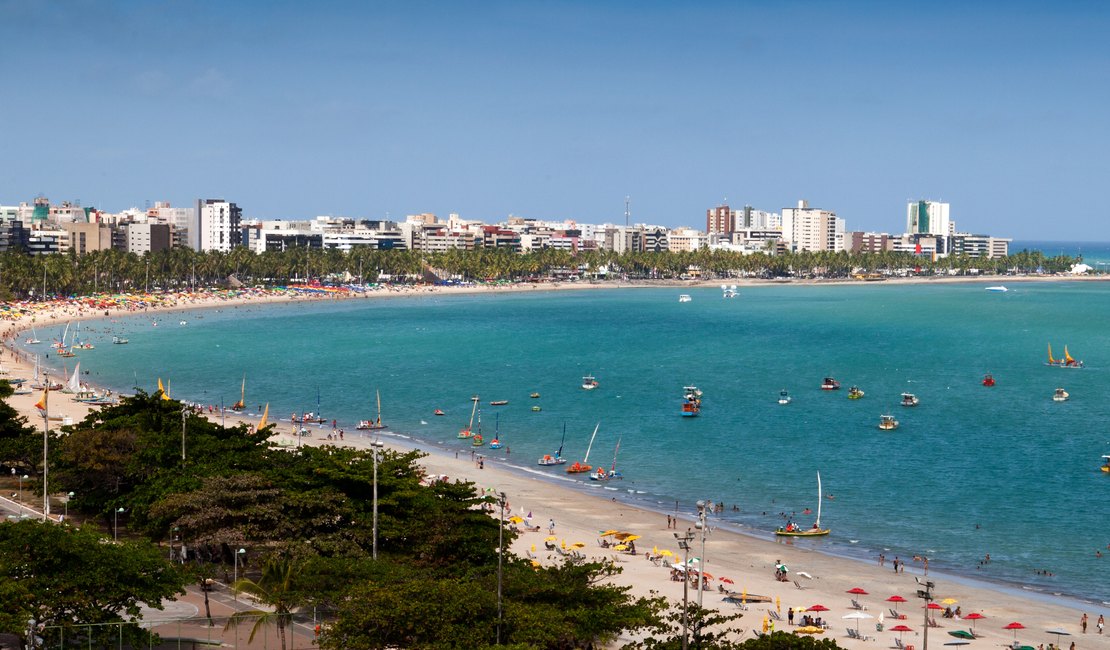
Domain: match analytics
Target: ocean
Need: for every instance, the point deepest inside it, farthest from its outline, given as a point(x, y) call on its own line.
point(971, 471)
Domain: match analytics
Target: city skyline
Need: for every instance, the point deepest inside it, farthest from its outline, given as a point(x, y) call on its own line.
point(560, 111)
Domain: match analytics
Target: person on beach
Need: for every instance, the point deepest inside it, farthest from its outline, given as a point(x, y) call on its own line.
point(551, 527)
point(1100, 624)
point(1083, 622)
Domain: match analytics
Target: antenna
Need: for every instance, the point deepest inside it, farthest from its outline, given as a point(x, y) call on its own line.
point(627, 210)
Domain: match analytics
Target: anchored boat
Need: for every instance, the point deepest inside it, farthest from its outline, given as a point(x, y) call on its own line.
point(793, 530)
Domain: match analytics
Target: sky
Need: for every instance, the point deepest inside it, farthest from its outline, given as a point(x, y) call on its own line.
point(562, 109)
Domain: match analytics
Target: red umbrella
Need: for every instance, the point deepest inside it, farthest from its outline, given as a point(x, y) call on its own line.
point(728, 580)
point(932, 605)
point(974, 616)
point(818, 608)
point(857, 591)
point(900, 629)
point(1015, 626)
point(896, 599)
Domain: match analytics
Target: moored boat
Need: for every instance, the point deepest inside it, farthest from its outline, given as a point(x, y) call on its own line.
point(1106, 464)
point(367, 424)
point(589, 382)
point(601, 475)
point(998, 289)
point(793, 530)
point(909, 399)
point(784, 397)
point(437, 412)
point(684, 297)
point(887, 423)
point(691, 404)
point(828, 383)
point(988, 380)
point(241, 404)
point(499, 402)
point(1060, 395)
point(119, 340)
point(536, 409)
point(557, 459)
point(466, 433)
point(1066, 362)
point(728, 292)
point(534, 395)
point(496, 442)
point(855, 393)
point(477, 440)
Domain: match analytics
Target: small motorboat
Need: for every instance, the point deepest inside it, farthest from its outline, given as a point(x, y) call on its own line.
point(988, 380)
point(589, 382)
point(1106, 464)
point(728, 292)
point(855, 393)
point(536, 409)
point(534, 395)
point(998, 289)
point(828, 383)
point(887, 423)
point(909, 399)
point(684, 297)
point(1060, 395)
point(691, 404)
point(784, 397)
point(438, 412)
point(119, 340)
point(499, 402)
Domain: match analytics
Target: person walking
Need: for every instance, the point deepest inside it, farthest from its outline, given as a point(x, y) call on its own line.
point(551, 527)
point(1101, 623)
point(1083, 622)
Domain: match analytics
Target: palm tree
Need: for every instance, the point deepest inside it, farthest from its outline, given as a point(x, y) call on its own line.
point(274, 588)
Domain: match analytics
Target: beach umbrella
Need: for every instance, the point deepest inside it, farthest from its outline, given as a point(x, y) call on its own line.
point(809, 629)
point(934, 606)
point(608, 532)
point(726, 580)
point(857, 591)
point(577, 545)
point(620, 547)
point(1058, 632)
point(974, 616)
point(805, 575)
point(630, 538)
point(958, 642)
point(900, 629)
point(858, 616)
point(516, 520)
point(949, 601)
point(666, 553)
point(1015, 626)
point(896, 599)
point(817, 608)
point(961, 634)
point(550, 538)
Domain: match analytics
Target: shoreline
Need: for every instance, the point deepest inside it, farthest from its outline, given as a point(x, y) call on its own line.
point(552, 498)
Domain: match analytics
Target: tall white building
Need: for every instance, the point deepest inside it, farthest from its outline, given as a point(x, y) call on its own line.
point(812, 229)
point(928, 218)
point(216, 226)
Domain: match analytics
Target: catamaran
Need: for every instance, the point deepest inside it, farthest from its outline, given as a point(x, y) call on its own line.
point(34, 337)
point(241, 404)
point(602, 475)
point(496, 442)
point(466, 433)
point(581, 468)
point(557, 459)
point(793, 530)
point(376, 424)
point(1066, 362)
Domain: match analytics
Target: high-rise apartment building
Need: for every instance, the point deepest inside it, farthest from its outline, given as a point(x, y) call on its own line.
point(216, 226)
point(719, 220)
point(928, 218)
point(812, 229)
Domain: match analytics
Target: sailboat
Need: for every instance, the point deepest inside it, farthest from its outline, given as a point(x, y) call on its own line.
point(241, 404)
point(63, 351)
point(34, 337)
point(791, 530)
point(496, 442)
point(61, 343)
point(73, 383)
point(580, 468)
point(476, 440)
point(557, 459)
point(376, 424)
point(602, 475)
point(466, 433)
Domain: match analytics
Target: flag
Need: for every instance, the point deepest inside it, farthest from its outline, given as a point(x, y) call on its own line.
point(265, 414)
point(41, 404)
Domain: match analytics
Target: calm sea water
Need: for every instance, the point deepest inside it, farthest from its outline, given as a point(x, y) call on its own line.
point(971, 471)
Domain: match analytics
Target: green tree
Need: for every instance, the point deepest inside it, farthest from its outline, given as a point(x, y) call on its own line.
point(275, 588)
point(20, 444)
point(703, 628)
point(70, 576)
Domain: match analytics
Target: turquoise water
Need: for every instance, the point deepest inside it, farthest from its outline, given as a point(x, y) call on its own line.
point(971, 471)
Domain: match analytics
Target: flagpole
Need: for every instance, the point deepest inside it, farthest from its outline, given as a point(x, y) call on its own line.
point(45, 448)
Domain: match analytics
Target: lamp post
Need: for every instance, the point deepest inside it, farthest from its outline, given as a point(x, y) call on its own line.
point(21, 479)
point(500, 557)
point(927, 595)
point(703, 511)
point(115, 523)
point(235, 575)
point(376, 446)
point(684, 544)
point(173, 538)
point(66, 513)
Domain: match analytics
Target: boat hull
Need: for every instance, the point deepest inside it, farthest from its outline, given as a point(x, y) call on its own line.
point(803, 533)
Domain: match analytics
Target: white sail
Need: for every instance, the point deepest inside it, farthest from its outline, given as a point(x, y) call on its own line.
point(586, 458)
point(818, 524)
point(74, 384)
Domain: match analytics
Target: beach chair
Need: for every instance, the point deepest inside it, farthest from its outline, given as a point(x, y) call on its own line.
point(932, 622)
point(774, 615)
point(852, 634)
point(798, 585)
point(551, 547)
point(898, 644)
point(856, 605)
point(894, 613)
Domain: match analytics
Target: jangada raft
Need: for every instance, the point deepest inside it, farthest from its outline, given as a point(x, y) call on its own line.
point(793, 530)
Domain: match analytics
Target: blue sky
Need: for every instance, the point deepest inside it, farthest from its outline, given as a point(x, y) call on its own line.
point(561, 109)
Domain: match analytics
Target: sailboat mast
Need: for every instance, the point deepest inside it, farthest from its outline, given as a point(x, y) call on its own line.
point(614, 467)
point(378, 393)
point(818, 499)
point(557, 454)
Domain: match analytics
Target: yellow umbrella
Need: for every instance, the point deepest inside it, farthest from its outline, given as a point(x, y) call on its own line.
point(744, 596)
point(609, 532)
point(515, 519)
point(949, 601)
point(533, 548)
point(577, 545)
point(655, 550)
point(564, 544)
point(624, 535)
point(666, 553)
point(764, 623)
point(620, 547)
point(550, 538)
point(631, 538)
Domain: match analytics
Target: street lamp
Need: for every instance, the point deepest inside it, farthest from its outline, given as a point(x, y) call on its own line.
point(927, 595)
point(22, 477)
point(184, 414)
point(703, 511)
point(684, 544)
point(66, 514)
point(235, 575)
point(376, 446)
point(115, 523)
point(500, 557)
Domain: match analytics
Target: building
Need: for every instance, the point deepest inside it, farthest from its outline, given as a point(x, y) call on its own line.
point(719, 220)
point(148, 237)
point(980, 245)
point(84, 238)
point(928, 218)
point(812, 229)
point(217, 226)
point(686, 240)
point(869, 242)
